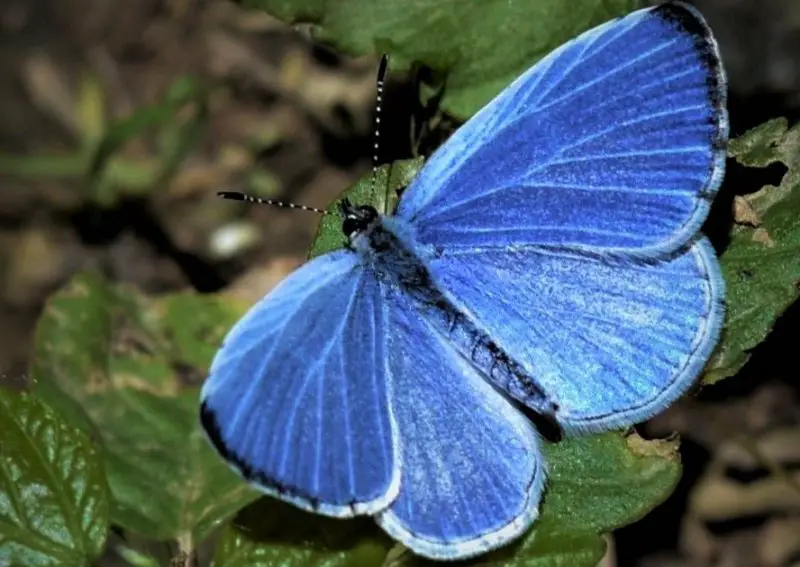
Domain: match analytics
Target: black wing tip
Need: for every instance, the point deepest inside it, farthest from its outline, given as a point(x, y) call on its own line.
point(690, 21)
point(685, 16)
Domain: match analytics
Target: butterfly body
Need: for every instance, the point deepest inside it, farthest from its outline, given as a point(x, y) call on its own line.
point(546, 256)
point(386, 245)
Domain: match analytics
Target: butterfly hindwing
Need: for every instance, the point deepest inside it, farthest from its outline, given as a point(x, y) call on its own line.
point(611, 342)
point(473, 473)
point(616, 141)
point(298, 396)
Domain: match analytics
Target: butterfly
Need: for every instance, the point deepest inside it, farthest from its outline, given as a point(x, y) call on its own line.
point(546, 257)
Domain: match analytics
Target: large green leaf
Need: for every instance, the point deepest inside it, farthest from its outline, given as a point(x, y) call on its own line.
point(762, 263)
point(596, 484)
point(129, 369)
point(480, 46)
point(566, 550)
point(53, 491)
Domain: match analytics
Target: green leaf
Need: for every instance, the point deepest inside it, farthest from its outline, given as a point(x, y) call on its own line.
point(454, 37)
point(380, 193)
point(606, 481)
point(271, 533)
point(762, 262)
point(135, 558)
point(129, 369)
point(596, 484)
point(53, 491)
point(568, 550)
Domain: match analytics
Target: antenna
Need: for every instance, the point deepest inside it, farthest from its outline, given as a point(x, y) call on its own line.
point(378, 101)
point(236, 196)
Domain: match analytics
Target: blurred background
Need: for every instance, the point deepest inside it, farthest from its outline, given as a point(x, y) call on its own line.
point(206, 96)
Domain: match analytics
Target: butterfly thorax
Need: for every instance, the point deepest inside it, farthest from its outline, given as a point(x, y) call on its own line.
point(375, 238)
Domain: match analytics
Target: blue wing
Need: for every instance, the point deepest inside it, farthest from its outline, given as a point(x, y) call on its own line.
point(611, 342)
point(297, 399)
point(614, 141)
point(472, 473)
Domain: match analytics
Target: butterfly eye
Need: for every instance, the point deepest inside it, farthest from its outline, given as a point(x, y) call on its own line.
point(358, 219)
point(350, 225)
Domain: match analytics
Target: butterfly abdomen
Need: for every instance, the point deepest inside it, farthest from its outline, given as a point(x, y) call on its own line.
point(396, 263)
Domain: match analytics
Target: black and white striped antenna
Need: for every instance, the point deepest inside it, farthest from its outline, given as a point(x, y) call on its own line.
point(378, 103)
point(238, 196)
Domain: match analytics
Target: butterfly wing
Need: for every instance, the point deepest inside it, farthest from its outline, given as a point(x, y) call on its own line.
point(560, 219)
point(612, 343)
point(297, 400)
point(473, 473)
point(615, 141)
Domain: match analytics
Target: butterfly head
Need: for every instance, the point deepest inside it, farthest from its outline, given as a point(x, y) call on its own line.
point(357, 219)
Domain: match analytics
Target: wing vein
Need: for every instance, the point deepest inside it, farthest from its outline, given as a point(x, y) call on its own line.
point(604, 76)
point(306, 379)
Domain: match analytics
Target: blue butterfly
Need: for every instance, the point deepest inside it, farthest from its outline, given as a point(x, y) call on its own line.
point(546, 256)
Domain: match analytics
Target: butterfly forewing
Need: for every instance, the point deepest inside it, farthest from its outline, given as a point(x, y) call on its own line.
point(616, 141)
point(298, 397)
